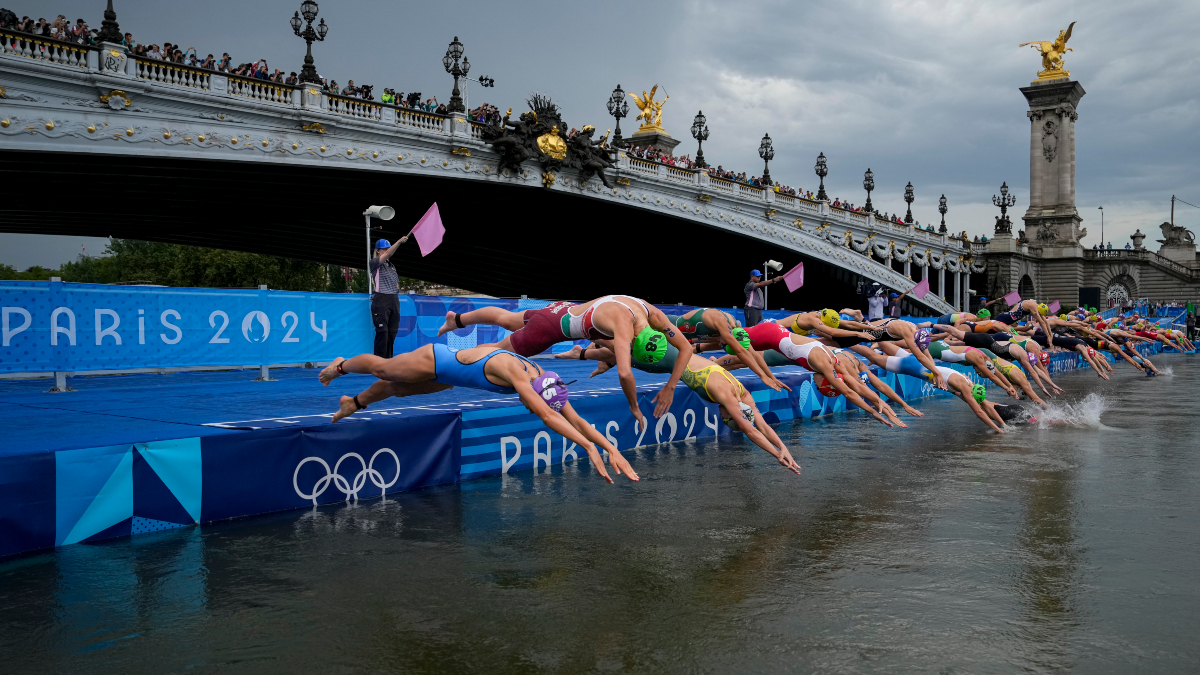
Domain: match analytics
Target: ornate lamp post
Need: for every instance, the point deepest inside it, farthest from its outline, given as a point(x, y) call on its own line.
point(908, 197)
point(618, 107)
point(1003, 224)
point(767, 152)
point(109, 30)
point(309, 9)
point(700, 133)
point(942, 210)
point(450, 61)
point(868, 185)
point(822, 171)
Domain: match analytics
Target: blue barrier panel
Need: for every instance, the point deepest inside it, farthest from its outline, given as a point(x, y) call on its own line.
point(52, 326)
point(55, 326)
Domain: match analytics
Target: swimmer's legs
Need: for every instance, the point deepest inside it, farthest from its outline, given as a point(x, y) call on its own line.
point(382, 390)
point(491, 316)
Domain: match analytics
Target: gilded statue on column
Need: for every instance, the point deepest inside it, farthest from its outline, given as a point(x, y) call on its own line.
point(1053, 67)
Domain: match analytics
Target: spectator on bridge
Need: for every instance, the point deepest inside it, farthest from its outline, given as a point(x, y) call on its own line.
point(292, 79)
point(1128, 246)
point(385, 302)
point(154, 53)
point(1110, 245)
point(225, 64)
point(209, 63)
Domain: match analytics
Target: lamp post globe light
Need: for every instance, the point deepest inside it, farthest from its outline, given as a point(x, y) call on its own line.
point(309, 10)
point(700, 133)
point(767, 152)
point(822, 171)
point(908, 197)
point(618, 107)
point(868, 185)
point(1003, 224)
point(451, 62)
point(942, 209)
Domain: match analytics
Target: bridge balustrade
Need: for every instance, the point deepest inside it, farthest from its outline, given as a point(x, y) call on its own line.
point(173, 73)
point(423, 120)
point(751, 192)
point(354, 107)
point(43, 49)
point(722, 185)
point(261, 90)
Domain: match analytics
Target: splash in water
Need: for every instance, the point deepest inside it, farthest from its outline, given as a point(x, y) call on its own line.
point(1084, 414)
point(1168, 371)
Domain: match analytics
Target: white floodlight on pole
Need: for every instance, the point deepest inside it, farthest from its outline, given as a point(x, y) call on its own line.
point(770, 266)
point(382, 213)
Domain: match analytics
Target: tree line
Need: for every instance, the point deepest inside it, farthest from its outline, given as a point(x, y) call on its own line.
point(132, 261)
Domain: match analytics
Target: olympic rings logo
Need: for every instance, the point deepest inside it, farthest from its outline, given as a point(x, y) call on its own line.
point(335, 478)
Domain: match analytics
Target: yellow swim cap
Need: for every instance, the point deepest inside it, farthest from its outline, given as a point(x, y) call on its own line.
point(830, 318)
point(1043, 309)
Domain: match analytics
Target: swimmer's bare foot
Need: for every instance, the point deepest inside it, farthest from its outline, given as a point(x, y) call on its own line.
point(572, 353)
point(601, 368)
point(330, 372)
point(449, 325)
point(346, 408)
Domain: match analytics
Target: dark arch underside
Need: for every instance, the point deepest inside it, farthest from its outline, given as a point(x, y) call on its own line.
point(502, 240)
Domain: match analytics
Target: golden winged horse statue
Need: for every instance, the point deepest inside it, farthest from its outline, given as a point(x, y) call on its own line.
point(1052, 55)
point(651, 110)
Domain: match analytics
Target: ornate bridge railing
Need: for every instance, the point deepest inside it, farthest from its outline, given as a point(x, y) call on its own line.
point(49, 93)
point(1146, 255)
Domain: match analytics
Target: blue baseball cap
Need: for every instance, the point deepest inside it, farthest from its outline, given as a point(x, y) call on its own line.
point(383, 243)
point(755, 273)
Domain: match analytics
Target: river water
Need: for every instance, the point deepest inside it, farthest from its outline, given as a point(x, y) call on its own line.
point(1065, 546)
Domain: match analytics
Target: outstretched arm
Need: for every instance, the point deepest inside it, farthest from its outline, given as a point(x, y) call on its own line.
point(619, 463)
point(659, 321)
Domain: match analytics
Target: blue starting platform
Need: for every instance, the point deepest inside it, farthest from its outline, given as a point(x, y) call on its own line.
point(126, 454)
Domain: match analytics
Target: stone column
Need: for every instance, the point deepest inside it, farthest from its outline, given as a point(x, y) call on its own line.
point(942, 283)
point(1052, 221)
point(957, 301)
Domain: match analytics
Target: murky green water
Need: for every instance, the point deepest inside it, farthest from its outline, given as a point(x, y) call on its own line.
point(936, 549)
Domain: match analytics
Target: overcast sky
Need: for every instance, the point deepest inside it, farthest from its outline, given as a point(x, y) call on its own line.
point(918, 91)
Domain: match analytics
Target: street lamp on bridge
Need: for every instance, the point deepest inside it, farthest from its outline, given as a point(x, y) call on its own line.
point(868, 185)
point(767, 152)
point(109, 30)
point(1003, 224)
point(453, 53)
point(942, 210)
point(700, 133)
point(908, 197)
point(309, 9)
point(822, 171)
point(618, 107)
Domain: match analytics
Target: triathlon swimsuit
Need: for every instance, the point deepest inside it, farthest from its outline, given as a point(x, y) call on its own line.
point(1011, 317)
point(942, 352)
point(772, 336)
point(697, 381)
point(880, 333)
point(448, 369)
point(694, 327)
point(1013, 413)
point(949, 319)
point(554, 323)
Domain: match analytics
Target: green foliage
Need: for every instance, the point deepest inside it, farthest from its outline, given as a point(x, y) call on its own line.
point(134, 261)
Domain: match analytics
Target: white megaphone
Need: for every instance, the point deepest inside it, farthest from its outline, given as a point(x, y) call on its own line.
point(774, 265)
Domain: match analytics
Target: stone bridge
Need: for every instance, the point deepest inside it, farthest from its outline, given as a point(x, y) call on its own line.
point(97, 142)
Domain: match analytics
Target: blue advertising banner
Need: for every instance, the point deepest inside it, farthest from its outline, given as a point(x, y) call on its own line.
point(53, 326)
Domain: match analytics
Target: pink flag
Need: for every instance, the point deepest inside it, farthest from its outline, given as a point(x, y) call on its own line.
point(1054, 307)
point(429, 230)
point(1012, 299)
point(794, 278)
point(921, 289)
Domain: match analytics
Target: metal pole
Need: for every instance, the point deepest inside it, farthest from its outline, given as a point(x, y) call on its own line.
point(367, 218)
point(1172, 210)
point(766, 275)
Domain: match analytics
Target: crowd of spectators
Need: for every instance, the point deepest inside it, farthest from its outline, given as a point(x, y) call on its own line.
point(58, 29)
point(657, 155)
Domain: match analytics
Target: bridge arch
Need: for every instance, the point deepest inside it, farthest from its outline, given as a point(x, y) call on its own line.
point(222, 161)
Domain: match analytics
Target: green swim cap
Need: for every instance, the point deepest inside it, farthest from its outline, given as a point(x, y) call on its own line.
point(983, 313)
point(741, 336)
point(979, 392)
point(650, 346)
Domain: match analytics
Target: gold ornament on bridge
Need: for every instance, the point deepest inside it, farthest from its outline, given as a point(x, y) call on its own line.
point(552, 144)
point(651, 110)
point(1053, 67)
